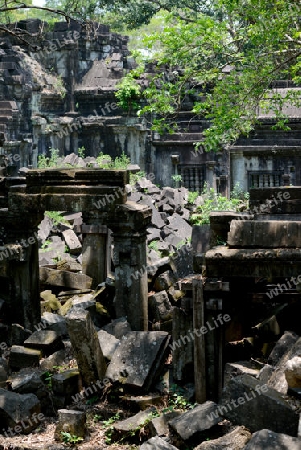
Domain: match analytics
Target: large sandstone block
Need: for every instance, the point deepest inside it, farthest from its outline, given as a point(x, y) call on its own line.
point(85, 343)
point(52, 277)
point(268, 440)
point(139, 358)
point(264, 234)
point(19, 413)
point(235, 440)
point(195, 425)
point(246, 401)
point(157, 443)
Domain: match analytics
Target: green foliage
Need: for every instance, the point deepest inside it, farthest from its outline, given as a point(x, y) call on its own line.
point(56, 217)
point(216, 202)
point(71, 439)
point(106, 162)
point(81, 152)
point(128, 93)
point(134, 177)
point(224, 58)
point(153, 245)
point(177, 400)
point(108, 424)
point(45, 162)
point(47, 378)
point(177, 179)
point(59, 86)
point(192, 196)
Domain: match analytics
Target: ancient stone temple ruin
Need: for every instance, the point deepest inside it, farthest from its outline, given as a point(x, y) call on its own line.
point(214, 322)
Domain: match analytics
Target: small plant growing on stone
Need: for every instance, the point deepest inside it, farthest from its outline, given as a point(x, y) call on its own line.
point(81, 152)
point(108, 424)
point(71, 439)
point(56, 217)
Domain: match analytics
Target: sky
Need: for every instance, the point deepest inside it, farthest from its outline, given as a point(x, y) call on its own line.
point(38, 2)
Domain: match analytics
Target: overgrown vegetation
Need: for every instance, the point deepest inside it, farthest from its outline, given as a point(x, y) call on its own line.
point(56, 217)
point(213, 201)
point(71, 439)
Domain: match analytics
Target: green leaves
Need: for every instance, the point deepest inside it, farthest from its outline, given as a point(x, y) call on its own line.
point(224, 61)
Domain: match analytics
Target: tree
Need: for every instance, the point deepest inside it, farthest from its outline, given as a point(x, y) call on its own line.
point(225, 60)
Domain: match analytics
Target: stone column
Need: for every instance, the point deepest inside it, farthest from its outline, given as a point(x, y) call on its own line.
point(238, 174)
point(94, 250)
point(22, 264)
point(210, 176)
point(129, 235)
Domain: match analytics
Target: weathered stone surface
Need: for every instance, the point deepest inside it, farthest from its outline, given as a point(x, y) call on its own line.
point(157, 443)
point(239, 368)
point(85, 343)
point(47, 341)
point(130, 427)
point(141, 402)
point(160, 424)
point(268, 440)
point(69, 264)
point(70, 421)
point(3, 372)
point(72, 242)
point(164, 281)
point(44, 228)
point(55, 322)
point(52, 277)
point(118, 327)
point(285, 343)
point(56, 359)
point(195, 424)
point(18, 334)
point(278, 380)
point(264, 234)
point(22, 413)
point(160, 307)
point(108, 343)
point(138, 359)
point(252, 400)
point(235, 440)
point(66, 383)
point(180, 226)
point(292, 372)
point(200, 238)
point(21, 357)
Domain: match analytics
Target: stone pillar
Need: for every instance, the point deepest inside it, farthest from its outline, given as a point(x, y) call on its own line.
point(23, 268)
point(94, 250)
point(210, 175)
point(238, 174)
point(129, 235)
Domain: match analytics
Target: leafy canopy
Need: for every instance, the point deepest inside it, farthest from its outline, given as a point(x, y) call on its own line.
point(224, 59)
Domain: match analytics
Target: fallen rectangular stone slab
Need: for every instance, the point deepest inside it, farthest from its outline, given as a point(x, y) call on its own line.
point(52, 277)
point(264, 234)
point(139, 358)
point(268, 440)
point(195, 425)
point(157, 443)
point(247, 401)
point(129, 428)
point(21, 357)
point(47, 341)
point(235, 440)
point(19, 413)
point(72, 241)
